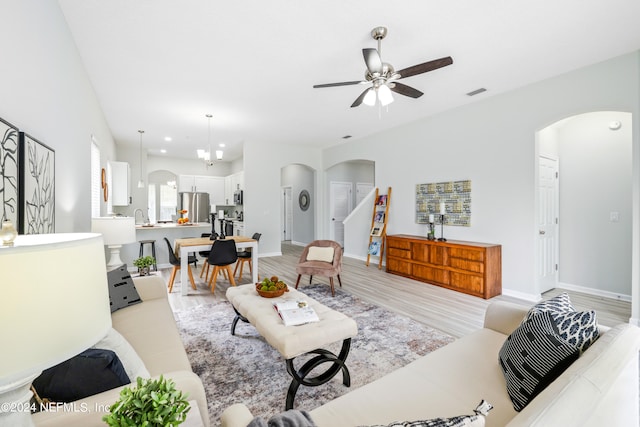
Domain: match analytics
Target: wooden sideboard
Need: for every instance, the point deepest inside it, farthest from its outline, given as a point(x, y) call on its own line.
point(469, 267)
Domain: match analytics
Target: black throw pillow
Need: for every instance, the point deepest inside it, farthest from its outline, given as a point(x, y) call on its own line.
point(122, 291)
point(532, 357)
point(90, 372)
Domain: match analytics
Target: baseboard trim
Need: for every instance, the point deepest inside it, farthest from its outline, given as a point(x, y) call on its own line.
point(522, 295)
point(596, 292)
point(269, 254)
point(372, 261)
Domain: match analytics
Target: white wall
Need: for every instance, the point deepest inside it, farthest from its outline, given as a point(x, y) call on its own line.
point(46, 92)
point(595, 180)
point(357, 171)
point(300, 177)
point(492, 143)
point(262, 175)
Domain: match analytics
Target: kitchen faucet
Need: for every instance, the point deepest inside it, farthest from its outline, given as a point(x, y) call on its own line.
point(135, 213)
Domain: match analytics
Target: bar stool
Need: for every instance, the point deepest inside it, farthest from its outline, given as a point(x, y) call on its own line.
point(153, 251)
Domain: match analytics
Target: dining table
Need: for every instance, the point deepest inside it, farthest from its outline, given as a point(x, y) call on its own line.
point(184, 246)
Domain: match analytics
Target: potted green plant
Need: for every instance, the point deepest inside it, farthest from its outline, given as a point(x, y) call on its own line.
point(144, 263)
point(151, 403)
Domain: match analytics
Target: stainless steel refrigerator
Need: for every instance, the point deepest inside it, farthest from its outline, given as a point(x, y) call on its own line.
point(197, 206)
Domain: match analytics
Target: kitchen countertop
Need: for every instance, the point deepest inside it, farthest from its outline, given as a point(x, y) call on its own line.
point(172, 225)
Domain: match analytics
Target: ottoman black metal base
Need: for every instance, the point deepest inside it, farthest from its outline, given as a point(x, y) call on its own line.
point(300, 376)
point(337, 364)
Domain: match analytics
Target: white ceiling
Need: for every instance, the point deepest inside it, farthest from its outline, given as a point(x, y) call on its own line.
point(162, 65)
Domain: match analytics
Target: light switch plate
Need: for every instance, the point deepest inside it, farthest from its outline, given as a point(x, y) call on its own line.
point(614, 216)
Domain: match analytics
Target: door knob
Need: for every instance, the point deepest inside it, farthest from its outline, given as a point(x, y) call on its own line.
point(541, 232)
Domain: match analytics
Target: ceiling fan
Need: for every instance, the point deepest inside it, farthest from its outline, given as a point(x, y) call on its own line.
point(384, 78)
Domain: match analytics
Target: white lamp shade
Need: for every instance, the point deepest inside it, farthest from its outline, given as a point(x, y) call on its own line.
point(370, 98)
point(384, 95)
point(117, 230)
point(55, 301)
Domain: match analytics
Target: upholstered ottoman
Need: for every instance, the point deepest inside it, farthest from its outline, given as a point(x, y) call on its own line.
point(294, 341)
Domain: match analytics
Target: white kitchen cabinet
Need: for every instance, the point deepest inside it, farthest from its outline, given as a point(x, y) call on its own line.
point(216, 190)
point(233, 183)
point(120, 187)
point(228, 191)
point(214, 185)
point(238, 228)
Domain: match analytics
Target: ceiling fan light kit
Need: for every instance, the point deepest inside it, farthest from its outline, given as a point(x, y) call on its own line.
point(383, 77)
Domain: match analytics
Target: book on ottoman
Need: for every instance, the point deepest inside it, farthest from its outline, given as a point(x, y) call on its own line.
point(293, 312)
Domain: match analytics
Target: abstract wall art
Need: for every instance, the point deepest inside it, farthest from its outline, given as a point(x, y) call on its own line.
point(456, 195)
point(37, 187)
point(8, 172)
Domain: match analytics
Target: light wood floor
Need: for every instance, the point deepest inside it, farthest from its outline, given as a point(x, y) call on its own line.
point(452, 312)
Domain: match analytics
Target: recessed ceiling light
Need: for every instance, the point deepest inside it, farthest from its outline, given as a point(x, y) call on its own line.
point(167, 138)
point(222, 144)
point(163, 151)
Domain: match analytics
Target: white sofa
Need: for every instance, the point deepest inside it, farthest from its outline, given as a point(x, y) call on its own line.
point(598, 389)
point(151, 330)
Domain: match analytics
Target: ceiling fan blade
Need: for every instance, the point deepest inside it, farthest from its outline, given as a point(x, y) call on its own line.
point(424, 67)
point(359, 99)
point(338, 84)
point(373, 61)
point(405, 90)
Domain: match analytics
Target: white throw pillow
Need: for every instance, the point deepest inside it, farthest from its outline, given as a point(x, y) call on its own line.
point(133, 365)
point(317, 253)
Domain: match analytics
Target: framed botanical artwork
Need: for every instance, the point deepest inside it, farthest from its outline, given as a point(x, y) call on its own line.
point(37, 187)
point(9, 172)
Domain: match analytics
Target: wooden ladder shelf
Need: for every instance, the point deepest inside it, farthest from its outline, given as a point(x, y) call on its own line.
point(378, 233)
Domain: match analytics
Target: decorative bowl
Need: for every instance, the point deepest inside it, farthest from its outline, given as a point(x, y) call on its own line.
point(270, 294)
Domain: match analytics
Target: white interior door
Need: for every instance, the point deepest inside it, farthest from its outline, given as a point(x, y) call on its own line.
point(287, 214)
point(548, 223)
point(340, 206)
point(362, 189)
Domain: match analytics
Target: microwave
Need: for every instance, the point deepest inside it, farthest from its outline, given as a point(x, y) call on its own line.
point(237, 197)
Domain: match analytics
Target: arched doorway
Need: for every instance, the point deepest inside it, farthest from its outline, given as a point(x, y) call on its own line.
point(297, 204)
point(584, 229)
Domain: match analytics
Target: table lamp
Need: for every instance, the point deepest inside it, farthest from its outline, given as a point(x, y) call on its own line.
point(54, 305)
point(116, 231)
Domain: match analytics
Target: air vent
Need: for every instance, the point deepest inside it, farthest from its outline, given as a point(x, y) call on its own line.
point(477, 91)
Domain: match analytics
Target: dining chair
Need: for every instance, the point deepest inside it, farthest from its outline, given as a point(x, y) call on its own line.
point(223, 253)
point(322, 258)
point(175, 262)
point(205, 264)
point(245, 256)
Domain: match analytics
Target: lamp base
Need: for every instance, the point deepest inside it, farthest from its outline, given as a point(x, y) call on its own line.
point(114, 259)
point(15, 397)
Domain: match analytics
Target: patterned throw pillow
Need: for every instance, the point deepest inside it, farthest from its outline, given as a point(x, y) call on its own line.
point(576, 327)
point(579, 328)
point(477, 420)
point(532, 357)
point(557, 304)
point(122, 291)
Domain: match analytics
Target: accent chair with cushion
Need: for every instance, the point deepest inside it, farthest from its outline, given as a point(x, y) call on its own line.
point(321, 258)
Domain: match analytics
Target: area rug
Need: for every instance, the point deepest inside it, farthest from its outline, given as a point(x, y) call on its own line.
point(245, 369)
